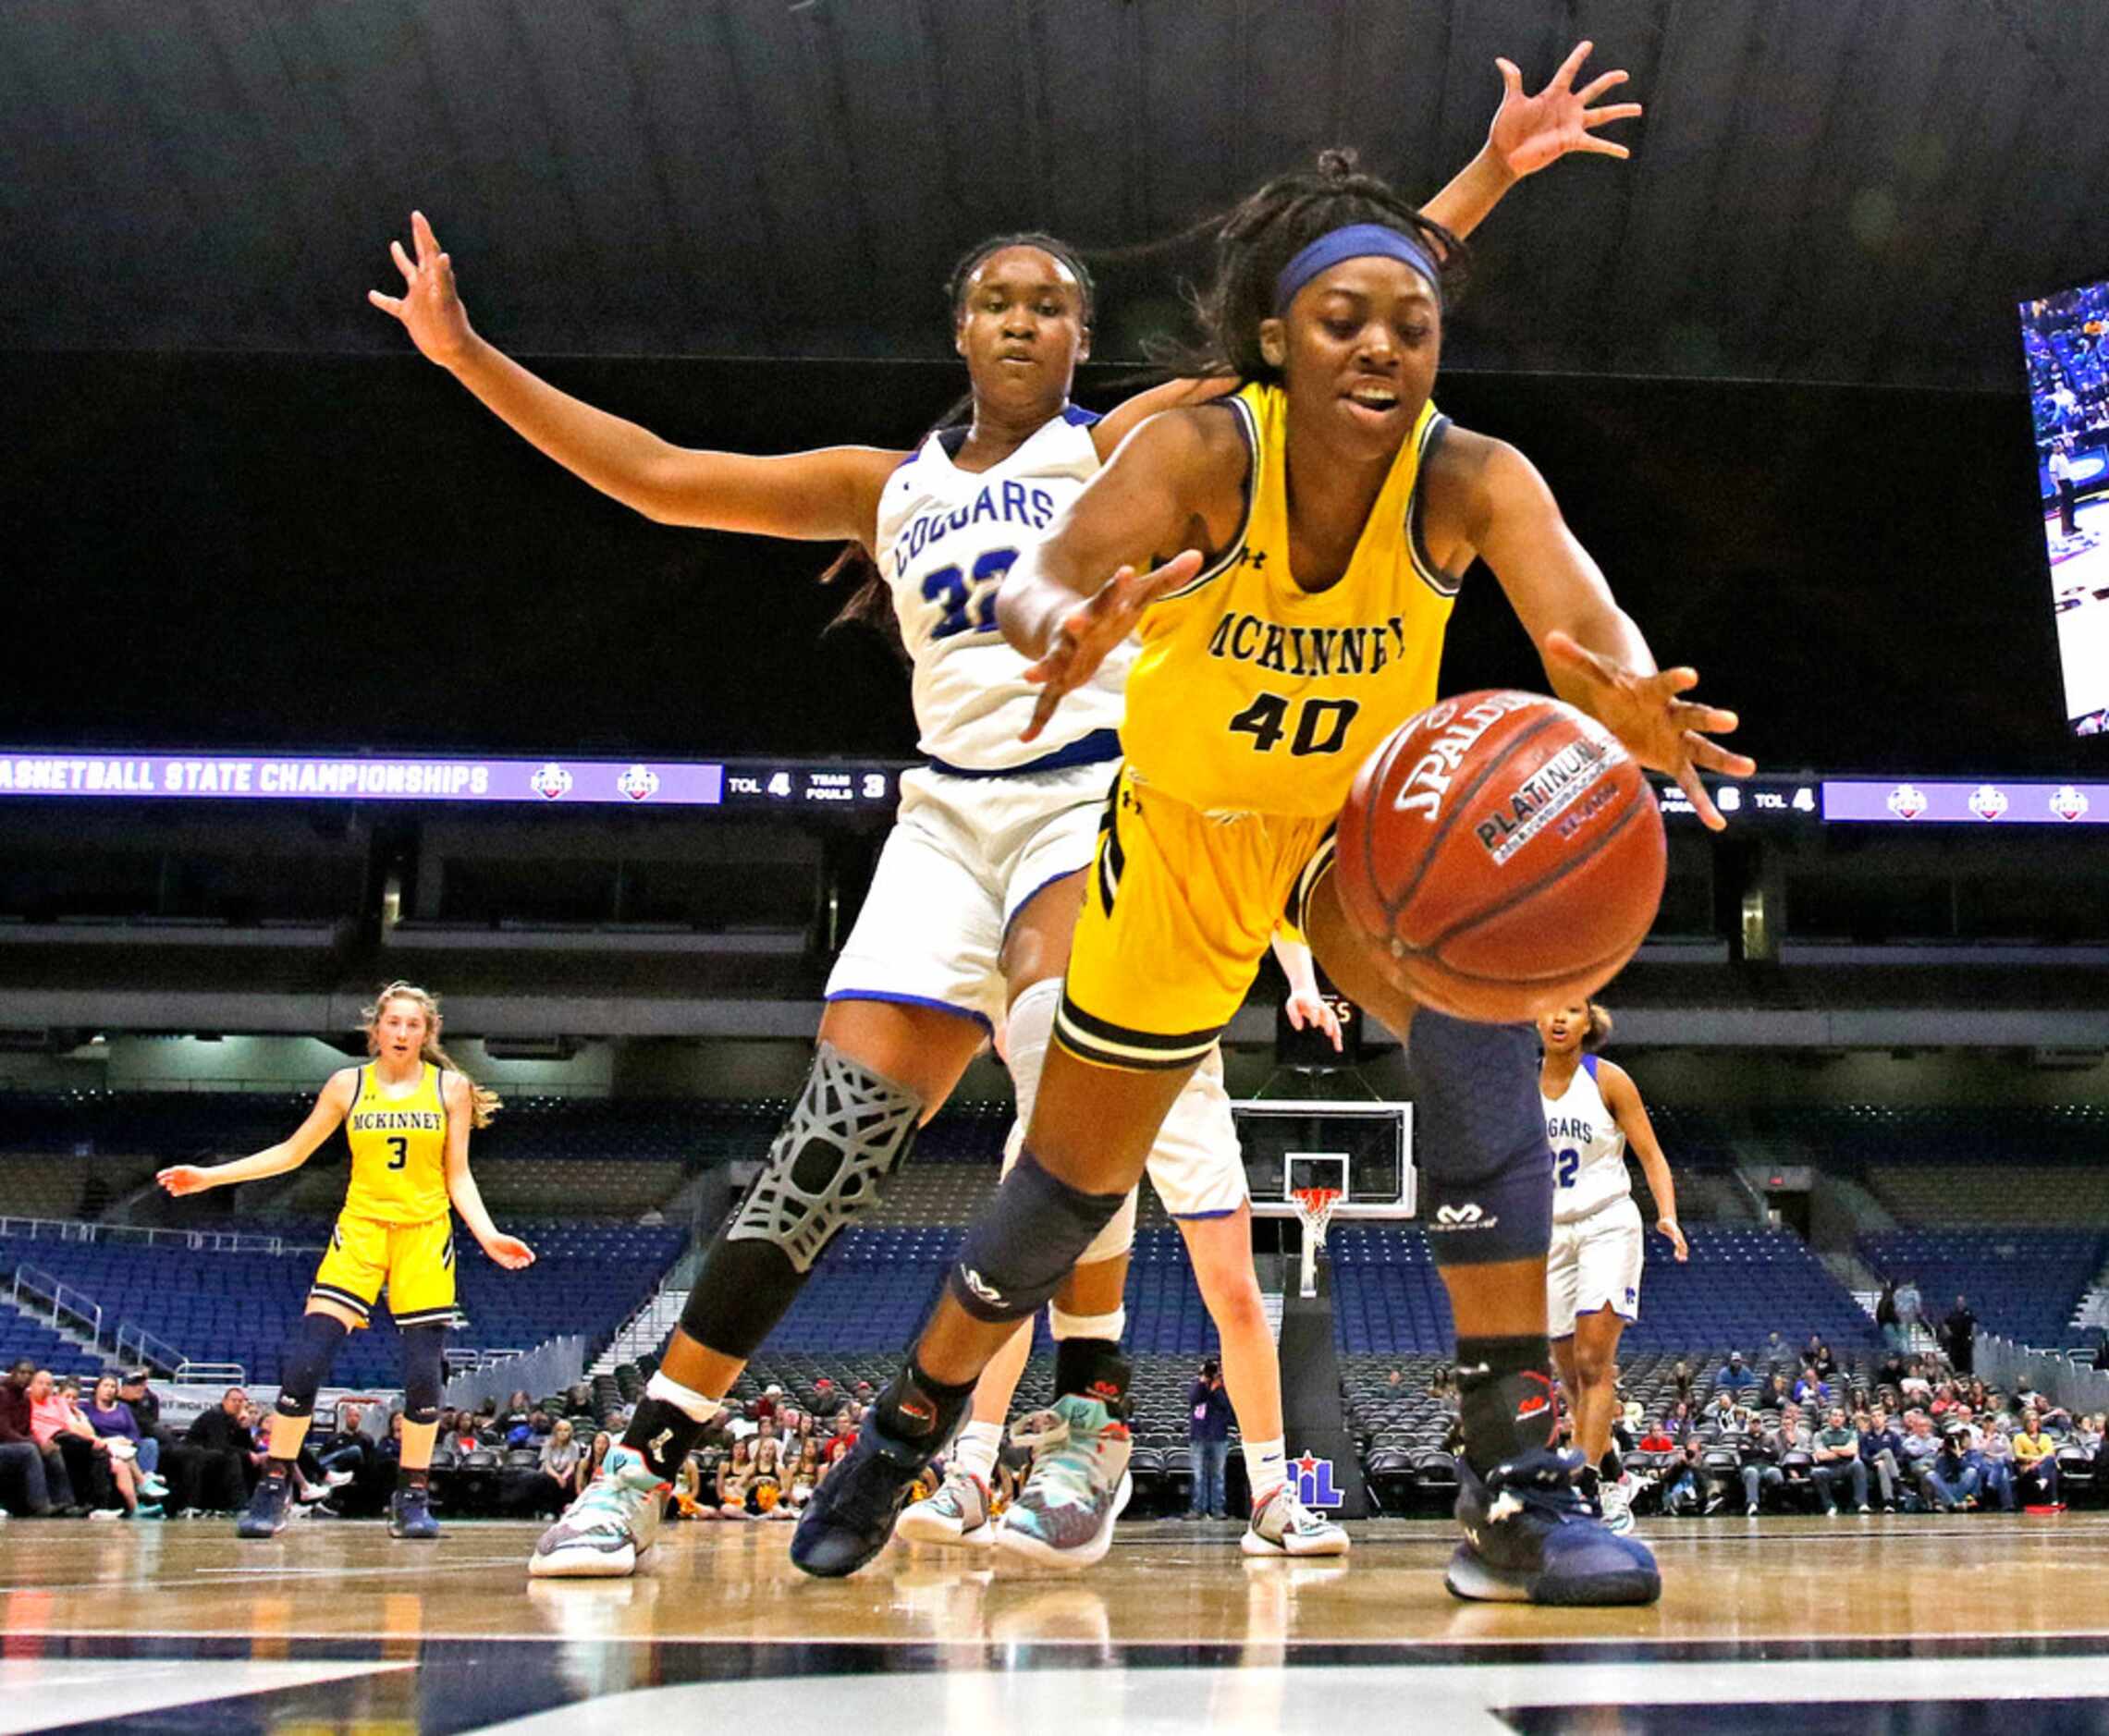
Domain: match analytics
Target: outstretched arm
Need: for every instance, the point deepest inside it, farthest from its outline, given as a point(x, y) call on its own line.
point(508, 1250)
point(1306, 1006)
point(331, 1106)
point(1622, 1098)
point(1530, 133)
point(830, 494)
point(1594, 654)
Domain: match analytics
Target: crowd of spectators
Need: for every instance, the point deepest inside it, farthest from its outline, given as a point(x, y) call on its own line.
point(1919, 1436)
point(2063, 337)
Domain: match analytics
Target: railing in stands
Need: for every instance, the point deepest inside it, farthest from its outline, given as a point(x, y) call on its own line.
point(2013, 1366)
point(197, 1240)
point(137, 1346)
point(214, 1374)
point(549, 1367)
point(47, 1294)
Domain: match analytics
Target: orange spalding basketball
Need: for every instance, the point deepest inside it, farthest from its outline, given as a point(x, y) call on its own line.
point(1504, 852)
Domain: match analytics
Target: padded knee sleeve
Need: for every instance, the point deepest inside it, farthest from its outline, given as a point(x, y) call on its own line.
point(1116, 1239)
point(1479, 1135)
point(850, 1129)
point(423, 1373)
point(305, 1365)
point(1018, 1249)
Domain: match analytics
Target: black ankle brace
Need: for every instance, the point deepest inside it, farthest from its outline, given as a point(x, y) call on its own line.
point(915, 1408)
point(1504, 1399)
point(1094, 1368)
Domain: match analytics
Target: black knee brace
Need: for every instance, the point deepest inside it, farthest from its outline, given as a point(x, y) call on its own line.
point(850, 1129)
point(305, 1364)
point(1025, 1241)
point(423, 1373)
point(1479, 1136)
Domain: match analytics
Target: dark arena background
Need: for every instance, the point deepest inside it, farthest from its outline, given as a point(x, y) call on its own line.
point(314, 677)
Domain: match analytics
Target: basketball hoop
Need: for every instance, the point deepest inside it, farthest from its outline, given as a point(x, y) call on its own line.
point(1314, 1210)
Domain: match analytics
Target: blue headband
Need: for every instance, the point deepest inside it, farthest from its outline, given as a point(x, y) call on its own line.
point(1358, 240)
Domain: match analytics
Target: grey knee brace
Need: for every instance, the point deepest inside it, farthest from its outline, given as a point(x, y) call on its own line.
point(850, 1129)
point(1479, 1138)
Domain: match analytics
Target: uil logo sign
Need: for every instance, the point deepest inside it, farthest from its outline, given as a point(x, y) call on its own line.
point(1313, 1478)
point(550, 781)
point(1907, 801)
point(638, 782)
point(2068, 803)
point(1988, 802)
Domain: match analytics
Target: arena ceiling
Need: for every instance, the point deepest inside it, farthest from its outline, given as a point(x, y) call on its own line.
point(1838, 189)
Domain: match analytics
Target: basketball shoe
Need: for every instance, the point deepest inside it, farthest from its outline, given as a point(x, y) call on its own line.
point(410, 1515)
point(269, 1507)
point(1078, 1485)
point(958, 1512)
point(602, 1534)
point(1530, 1538)
point(854, 1512)
point(1283, 1525)
point(1616, 1499)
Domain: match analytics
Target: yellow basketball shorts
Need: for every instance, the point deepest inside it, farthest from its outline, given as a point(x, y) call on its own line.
point(414, 1261)
point(1178, 910)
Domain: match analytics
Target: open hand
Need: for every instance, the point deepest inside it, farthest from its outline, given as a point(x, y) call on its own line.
point(1082, 637)
point(1531, 132)
point(430, 309)
point(1663, 732)
point(1314, 1009)
point(181, 1179)
point(510, 1252)
point(1672, 1229)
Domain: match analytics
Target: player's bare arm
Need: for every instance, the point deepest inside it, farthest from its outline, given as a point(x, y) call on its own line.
point(1488, 501)
point(508, 1250)
point(332, 1105)
point(1622, 1098)
point(827, 495)
point(1175, 484)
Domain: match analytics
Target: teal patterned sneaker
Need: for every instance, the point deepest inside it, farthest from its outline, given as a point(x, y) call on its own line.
point(1077, 1487)
point(604, 1531)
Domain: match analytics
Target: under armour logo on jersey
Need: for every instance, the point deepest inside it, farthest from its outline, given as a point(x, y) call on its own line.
point(981, 1287)
point(1254, 557)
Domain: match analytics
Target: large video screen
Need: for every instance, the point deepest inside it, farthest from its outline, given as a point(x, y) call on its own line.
point(2065, 339)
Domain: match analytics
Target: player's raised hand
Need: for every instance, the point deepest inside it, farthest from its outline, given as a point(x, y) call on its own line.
point(181, 1179)
point(1664, 733)
point(429, 307)
point(1531, 132)
point(1082, 638)
point(510, 1252)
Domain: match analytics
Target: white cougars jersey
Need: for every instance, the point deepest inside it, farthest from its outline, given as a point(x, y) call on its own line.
point(1588, 1151)
point(946, 538)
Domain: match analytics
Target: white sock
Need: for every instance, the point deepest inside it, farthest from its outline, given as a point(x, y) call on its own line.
point(1266, 1467)
point(974, 1451)
point(691, 1404)
point(1108, 1327)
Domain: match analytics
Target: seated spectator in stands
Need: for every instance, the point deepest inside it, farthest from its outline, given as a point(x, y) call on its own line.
point(516, 1413)
point(1995, 1459)
point(1789, 1446)
point(1679, 1422)
point(1916, 1382)
point(865, 1394)
point(1760, 1470)
point(1734, 1377)
point(112, 1422)
point(1811, 1389)
point(1777, 1354)
point(1656, 1439)
point(828, 1398)
point(2088, 1433)
point(1958, 1336)
point(1721, 1436)
point(1922, 1446)
point(1820, 1358)
point(560, 1466)
point(355, 1476)
point(1953, 1482)
point(765, 1407)
point(1777, 1395)
point(29, 1483)
point(803, 1475)
point(1721, 1413)
point(1891, 1370)
point(62, 1433)
point(766, 1486)
point(145, 1404)
point(837, 1446)
point(2035, 1461)
point(1837, 1455)
point(1681, 1384)
point(1882, 1450)
point(222, 1466)
point(589, 1463)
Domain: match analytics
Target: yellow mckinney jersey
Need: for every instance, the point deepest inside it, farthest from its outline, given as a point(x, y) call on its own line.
point(1251, 695)
point(398, 1151)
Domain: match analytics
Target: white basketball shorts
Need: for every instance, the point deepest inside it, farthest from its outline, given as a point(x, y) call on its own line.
point(1595, 1264)
point(966, 855)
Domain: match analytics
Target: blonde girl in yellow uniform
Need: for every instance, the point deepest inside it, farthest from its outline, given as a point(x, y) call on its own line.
point(1324, 516)
point(407, 1115)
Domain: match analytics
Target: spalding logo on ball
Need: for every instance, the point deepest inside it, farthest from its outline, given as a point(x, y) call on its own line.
point(1505, 852)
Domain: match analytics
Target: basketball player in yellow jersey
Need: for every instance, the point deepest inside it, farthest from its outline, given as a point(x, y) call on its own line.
point(407, 1115)
point(1326, 514)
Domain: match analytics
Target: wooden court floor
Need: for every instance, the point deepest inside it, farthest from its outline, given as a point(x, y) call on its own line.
point(1843, 1624)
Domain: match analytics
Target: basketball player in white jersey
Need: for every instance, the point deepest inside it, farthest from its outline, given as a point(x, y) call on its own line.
point(977, 889)
point(1592, 1273)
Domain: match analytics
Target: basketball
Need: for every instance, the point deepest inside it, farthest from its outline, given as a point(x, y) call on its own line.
point(1505, 852)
